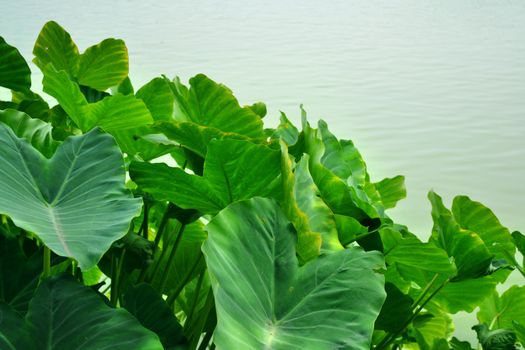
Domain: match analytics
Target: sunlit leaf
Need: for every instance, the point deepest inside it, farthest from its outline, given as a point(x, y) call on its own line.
point(55, 46)
point(103, 65)
point(265, 300)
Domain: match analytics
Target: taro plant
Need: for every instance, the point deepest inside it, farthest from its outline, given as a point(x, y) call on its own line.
point(227, 234)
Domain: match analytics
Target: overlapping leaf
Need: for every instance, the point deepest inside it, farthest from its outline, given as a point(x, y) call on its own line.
point(233, 170)
point(76, 208)
point(265, 300)
point(205, 105)
point(34, 131)
point(14, 71)
point(66, 315)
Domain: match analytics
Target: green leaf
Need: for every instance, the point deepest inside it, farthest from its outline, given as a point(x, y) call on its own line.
point(51, 197)
point(308, 242)
point(457, 344)
point(11, 327)
point(195, 137)
point(499, 339)
point(396, 310)
point(143, 302)
point(158, 98)
point(14, 71)
point(286, 131)
point(430, 329)
point(233, 170)
point(391, 190)
point(453, 298)
point(58, 84)
point(18, 274)
point(342, 157)
point(264, 300)
point(187, 262)
point(475, 217)
point(349, 229)
point(116, 113)
point(91, 324)
point(519, 329)
point(55, 46)
point(500, 311)
point(103, 65)
point(471, 255)
point(210, 105)
point(34, 131)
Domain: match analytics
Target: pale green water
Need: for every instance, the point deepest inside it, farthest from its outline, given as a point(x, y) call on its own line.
point(433, 90)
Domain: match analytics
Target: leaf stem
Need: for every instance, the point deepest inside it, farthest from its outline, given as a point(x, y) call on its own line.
point(171, 258)
point(389, 338)
point(46, 270)
point(171, 299)
point(195, 300)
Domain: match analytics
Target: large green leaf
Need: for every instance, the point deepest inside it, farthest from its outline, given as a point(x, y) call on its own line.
point(212, 112)
point(103, 65)
point(66, 315)
point(264, 300)
point(76, 201)
point(471, 255)
point(233, 170)
point(55, 46)
point(34, 131)
point(14, 71)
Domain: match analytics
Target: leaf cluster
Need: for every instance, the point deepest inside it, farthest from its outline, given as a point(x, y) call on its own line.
point(172, 218)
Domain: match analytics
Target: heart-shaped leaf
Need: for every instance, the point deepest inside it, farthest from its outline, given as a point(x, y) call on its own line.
point(76, 201)
point(264, 300)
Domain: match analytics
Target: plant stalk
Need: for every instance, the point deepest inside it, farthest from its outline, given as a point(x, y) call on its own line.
point(46, 270)
point(389, 338)
point(171, 258)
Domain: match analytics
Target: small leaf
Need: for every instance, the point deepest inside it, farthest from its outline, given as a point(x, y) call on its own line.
point(158, 98)
point(391, 190)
